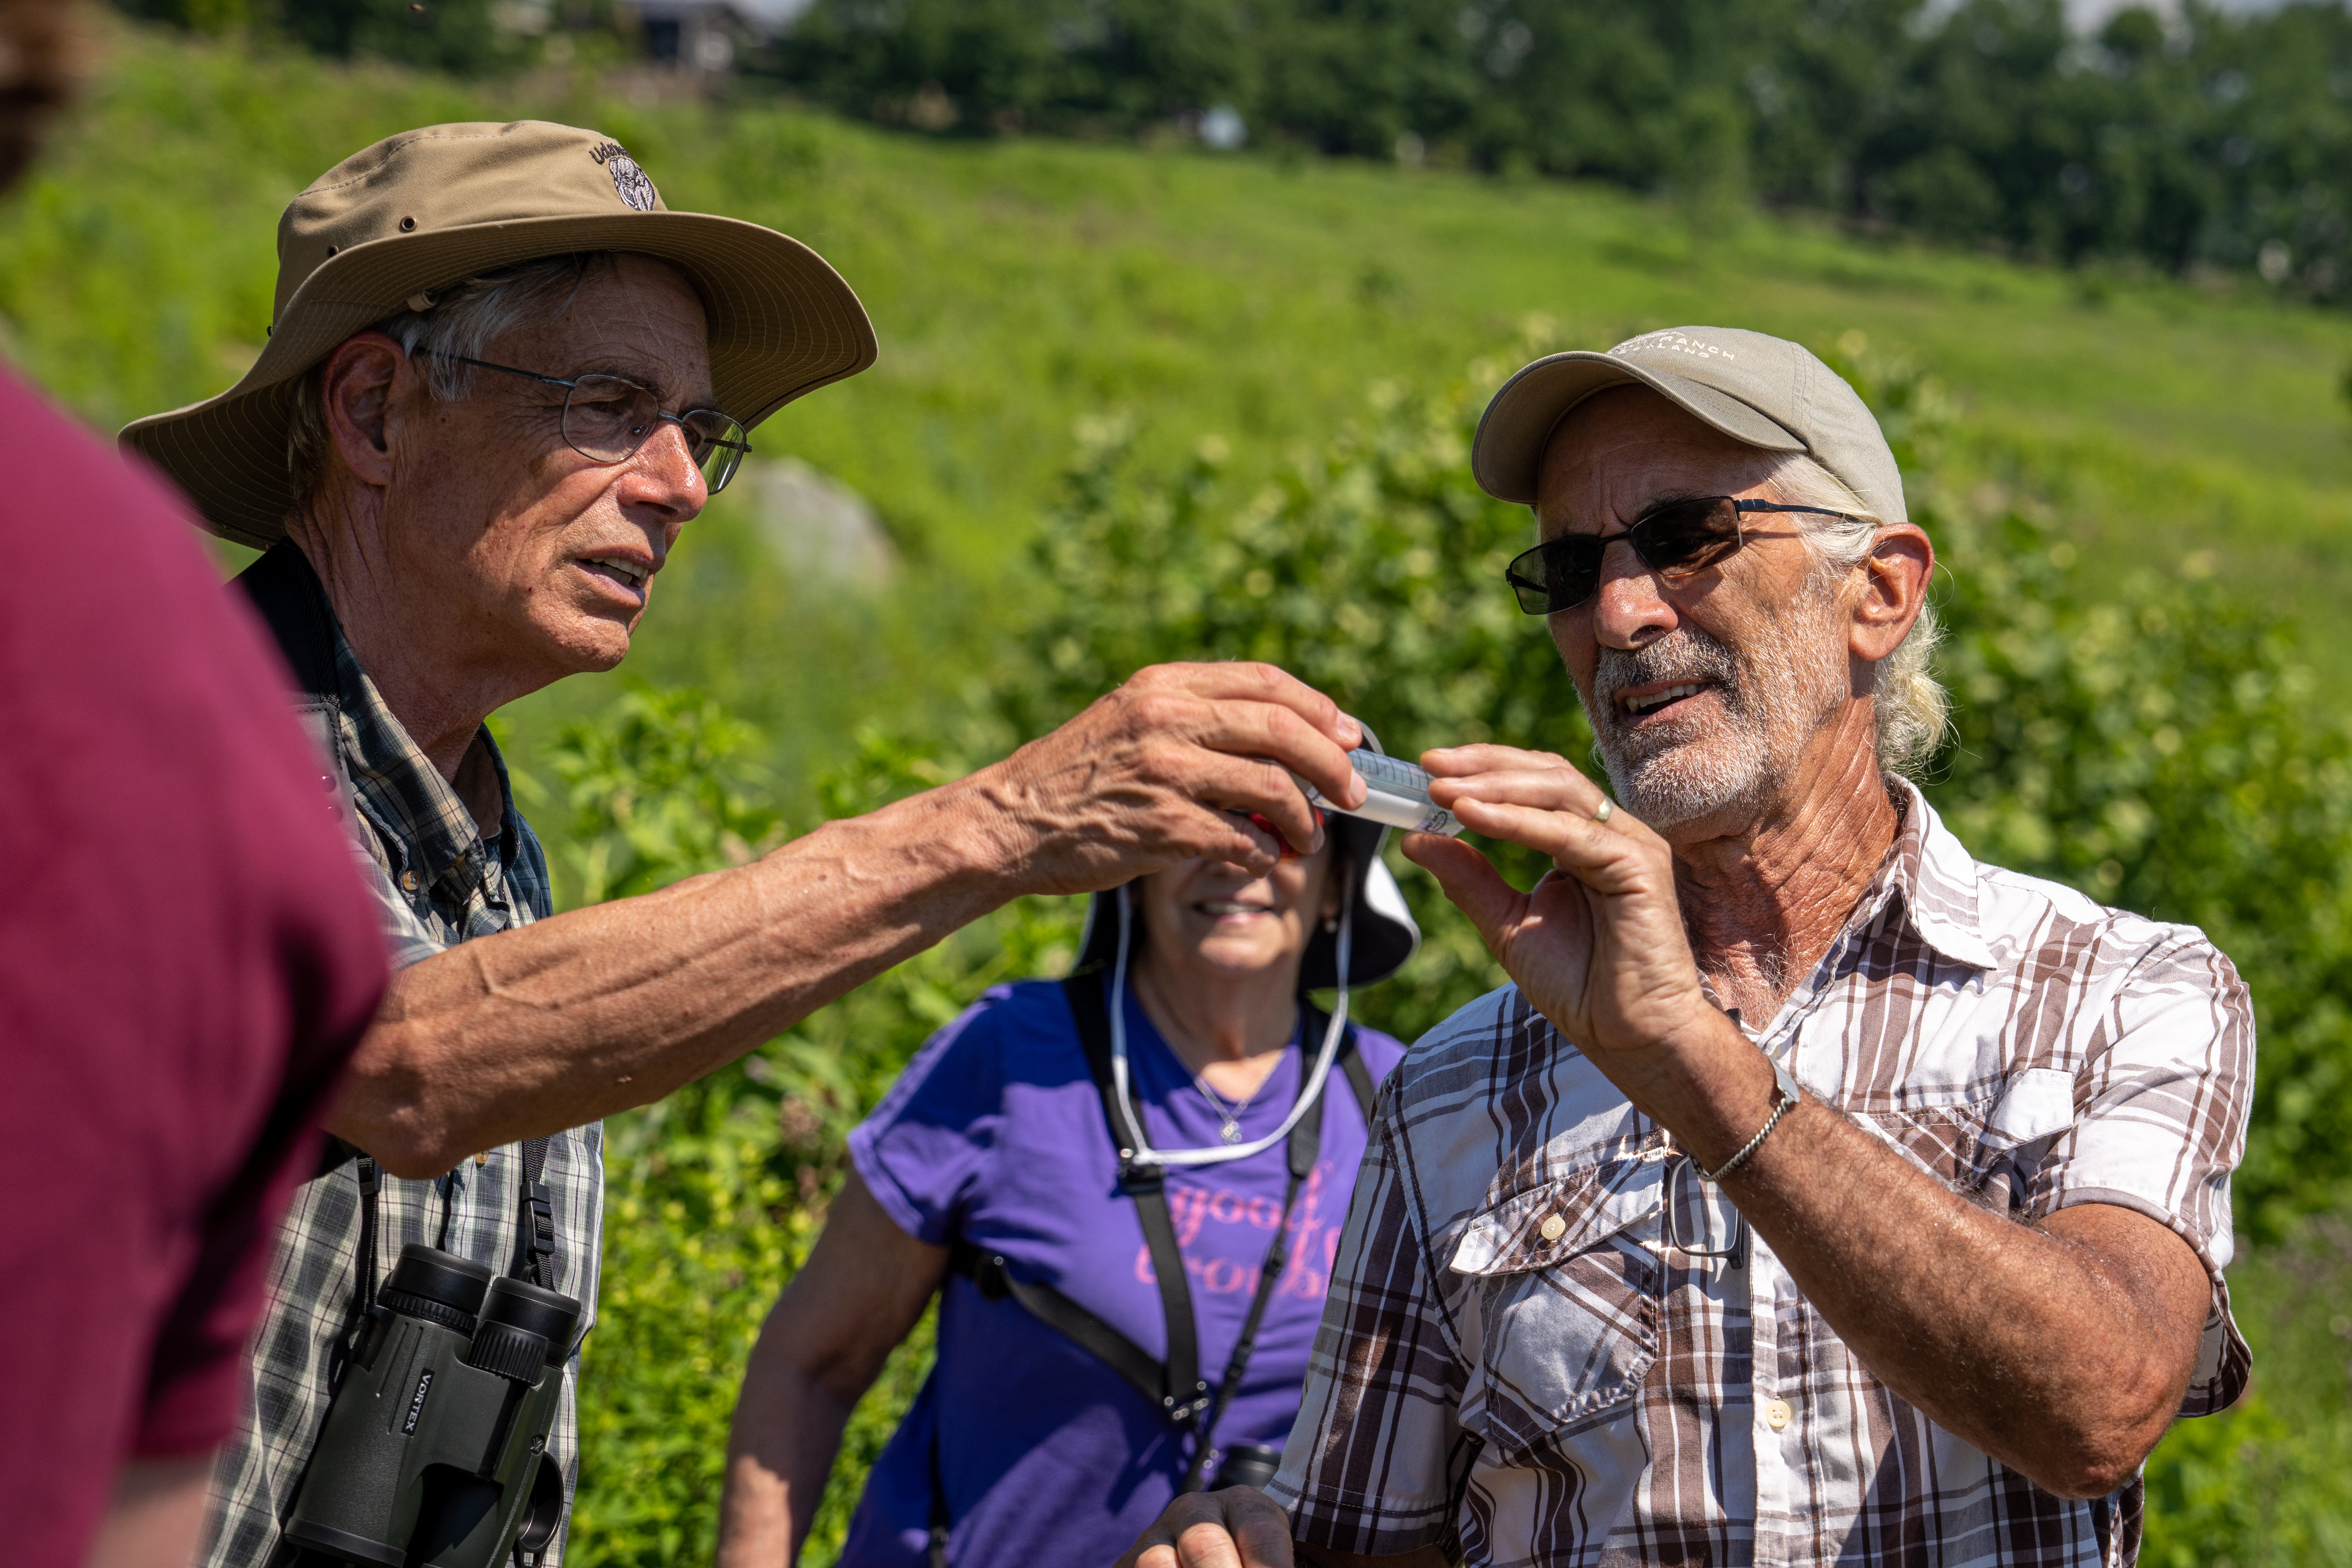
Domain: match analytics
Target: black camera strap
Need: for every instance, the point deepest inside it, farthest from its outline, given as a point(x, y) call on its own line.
point(1174, 1384)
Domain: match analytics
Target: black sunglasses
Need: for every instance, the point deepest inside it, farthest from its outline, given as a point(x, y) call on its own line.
point(1674, 539)
point(606, 418)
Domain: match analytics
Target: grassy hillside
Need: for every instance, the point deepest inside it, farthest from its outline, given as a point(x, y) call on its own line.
point(1018, 284)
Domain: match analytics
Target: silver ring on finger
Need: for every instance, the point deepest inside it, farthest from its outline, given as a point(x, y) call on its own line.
point(1607, 809)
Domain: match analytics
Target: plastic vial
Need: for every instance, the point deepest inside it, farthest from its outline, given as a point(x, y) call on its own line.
point(1399, 796)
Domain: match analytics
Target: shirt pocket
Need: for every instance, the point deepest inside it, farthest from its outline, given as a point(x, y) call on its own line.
point(1565, 1285)
point(1991, 1146)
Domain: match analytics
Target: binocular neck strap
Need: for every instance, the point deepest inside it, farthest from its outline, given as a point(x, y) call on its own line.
point(535, 1245)
point(371, 1179)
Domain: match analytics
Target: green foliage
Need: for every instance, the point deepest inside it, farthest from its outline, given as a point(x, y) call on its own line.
point(2261, 1485)
point(2159, 749)
point(1019, 284)
point(714, 1195)
point(980, 65)
point(657, 789)
point(131, 289)
point(2160, 744)
point(2157, 744)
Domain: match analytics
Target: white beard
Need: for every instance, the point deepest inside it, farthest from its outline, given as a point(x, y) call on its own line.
point(1692, 767)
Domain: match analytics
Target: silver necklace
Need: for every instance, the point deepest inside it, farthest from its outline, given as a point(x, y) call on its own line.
point(1229, 1118)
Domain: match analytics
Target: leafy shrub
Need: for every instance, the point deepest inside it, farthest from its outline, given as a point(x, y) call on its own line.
point(655, 791)
point(2161, 747)
point(2162, 751)
point(2261, 1486)
point(714, 1195)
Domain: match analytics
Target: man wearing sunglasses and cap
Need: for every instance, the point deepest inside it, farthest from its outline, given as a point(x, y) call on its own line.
point(501, 378)
point(1814, 1193)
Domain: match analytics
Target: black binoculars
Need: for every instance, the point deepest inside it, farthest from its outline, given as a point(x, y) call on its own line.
point(434, 1451)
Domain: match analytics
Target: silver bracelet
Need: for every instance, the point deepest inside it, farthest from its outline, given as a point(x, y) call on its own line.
point(1788, 1098)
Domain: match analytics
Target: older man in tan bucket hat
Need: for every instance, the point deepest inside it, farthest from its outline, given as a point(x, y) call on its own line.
point(502, 376)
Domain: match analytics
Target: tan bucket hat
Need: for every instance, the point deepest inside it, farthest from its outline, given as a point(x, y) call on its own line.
point(1765, 391)
point(426, 208)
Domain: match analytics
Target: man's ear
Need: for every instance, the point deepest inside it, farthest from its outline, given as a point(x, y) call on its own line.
point(357, 386)
point(1895, 589)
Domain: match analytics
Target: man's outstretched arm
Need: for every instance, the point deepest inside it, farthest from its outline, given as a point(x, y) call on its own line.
point(568, 1019)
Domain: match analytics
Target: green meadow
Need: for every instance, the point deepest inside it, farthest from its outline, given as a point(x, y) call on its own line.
point(1018, 284)
point(1246, 306)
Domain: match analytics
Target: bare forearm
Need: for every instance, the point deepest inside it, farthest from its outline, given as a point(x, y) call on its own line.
point(2047, 1351)
point(592, 1012)
point(787, 1432)
point(531, 1031)
point(2061, 1349)
point(2044, 1351)
point(825, 1341)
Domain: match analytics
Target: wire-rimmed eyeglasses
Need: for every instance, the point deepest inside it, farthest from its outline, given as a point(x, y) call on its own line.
point(606, 418)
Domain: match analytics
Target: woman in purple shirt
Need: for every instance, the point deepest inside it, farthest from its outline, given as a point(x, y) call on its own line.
point(1177, 1111)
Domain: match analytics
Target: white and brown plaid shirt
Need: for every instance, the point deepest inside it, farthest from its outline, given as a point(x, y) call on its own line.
point(1519, 1392)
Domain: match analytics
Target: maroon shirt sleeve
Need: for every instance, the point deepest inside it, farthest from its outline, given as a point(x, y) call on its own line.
point(186, 960)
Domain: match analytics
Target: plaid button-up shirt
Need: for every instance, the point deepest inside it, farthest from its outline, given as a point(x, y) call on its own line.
point(1520, 1391)
point(436, 883)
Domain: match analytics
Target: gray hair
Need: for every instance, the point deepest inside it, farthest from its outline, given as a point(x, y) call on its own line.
point(1914, 711)
point(465, 319)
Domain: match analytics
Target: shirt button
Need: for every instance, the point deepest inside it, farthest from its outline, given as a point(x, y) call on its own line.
point(1553, 1228)
point(408, 881)
point(1776, 1415)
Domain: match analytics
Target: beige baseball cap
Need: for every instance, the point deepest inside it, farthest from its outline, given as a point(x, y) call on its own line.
point(426, 209)
point(1765, 391)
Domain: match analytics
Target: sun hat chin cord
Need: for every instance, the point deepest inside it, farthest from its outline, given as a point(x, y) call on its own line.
point(1143, 1153)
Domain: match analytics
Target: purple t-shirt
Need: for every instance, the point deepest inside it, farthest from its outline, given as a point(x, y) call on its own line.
point(995, 1135)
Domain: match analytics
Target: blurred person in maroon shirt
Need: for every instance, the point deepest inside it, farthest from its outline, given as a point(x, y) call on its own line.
point(186, 960)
